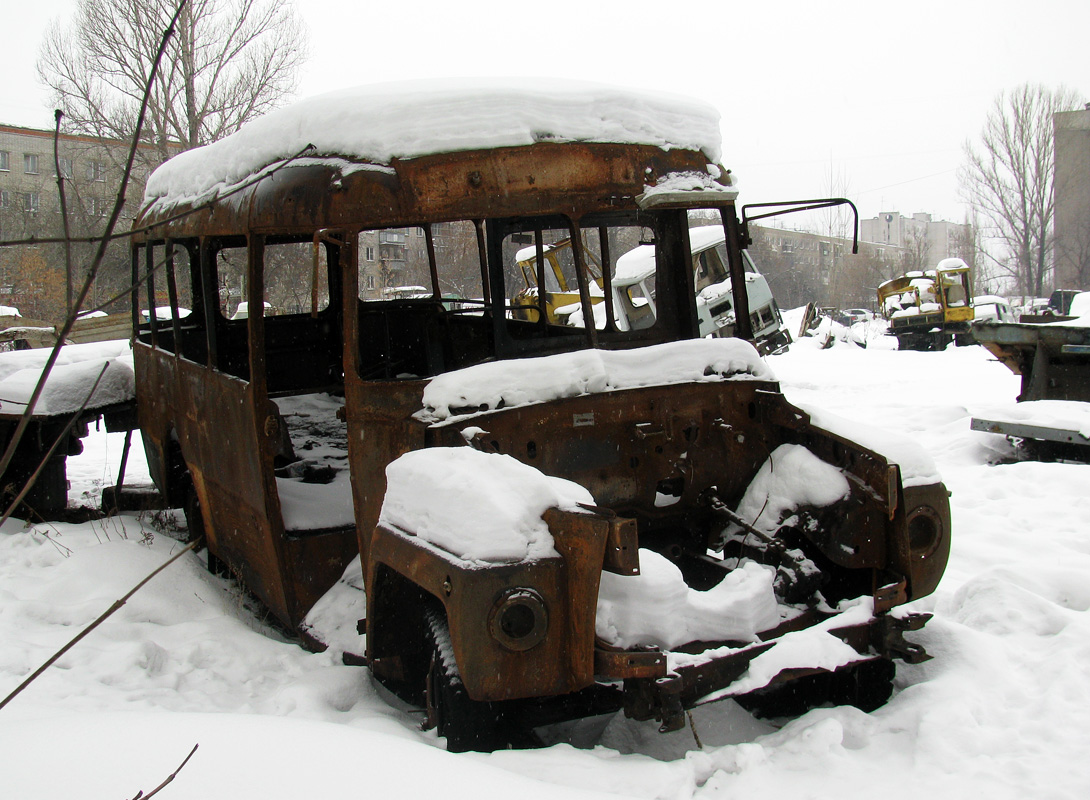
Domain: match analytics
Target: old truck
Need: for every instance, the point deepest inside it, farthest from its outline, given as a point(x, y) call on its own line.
point(927, 310)
point(552, 283)
point(634, 291)
point(547, 521)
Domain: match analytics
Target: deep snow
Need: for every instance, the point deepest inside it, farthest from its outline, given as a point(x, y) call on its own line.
point(1002, 711)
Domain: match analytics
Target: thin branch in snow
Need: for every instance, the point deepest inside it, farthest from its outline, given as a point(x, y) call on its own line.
point(102, 618)
point(141, 796)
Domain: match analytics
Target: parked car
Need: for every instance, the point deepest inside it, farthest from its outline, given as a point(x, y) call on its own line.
point(850, 316)
point(993, 307)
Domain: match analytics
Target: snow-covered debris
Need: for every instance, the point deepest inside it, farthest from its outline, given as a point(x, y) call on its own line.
point(792, 477)
point(70, 380)
point(813, 647)
point(478, 507)
point(657, 608)
point(1068, 415)
point(316, 506)
point(16, 360)
point(676, 184)
point(520, 382)
point(384, 122)
point(333, 618)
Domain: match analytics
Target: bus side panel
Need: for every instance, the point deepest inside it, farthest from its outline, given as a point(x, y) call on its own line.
point(224, 449)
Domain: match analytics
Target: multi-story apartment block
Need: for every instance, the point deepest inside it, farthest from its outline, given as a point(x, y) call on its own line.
point(924, 241)
point(30, 205)
point(28, 178)
point(1071, 185)
point(802, 267)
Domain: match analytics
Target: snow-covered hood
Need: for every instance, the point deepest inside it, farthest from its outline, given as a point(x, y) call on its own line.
point(520, 382)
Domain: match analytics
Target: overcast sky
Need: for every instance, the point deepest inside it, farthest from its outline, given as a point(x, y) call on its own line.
point(872, 99)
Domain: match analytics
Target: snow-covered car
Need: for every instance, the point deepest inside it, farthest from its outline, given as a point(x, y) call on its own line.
point(850, 316)
point(993, 307)
point(512, 521)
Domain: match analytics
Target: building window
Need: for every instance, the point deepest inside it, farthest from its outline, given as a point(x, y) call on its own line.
point(370, 281)
point(31, 201)
point(96, 171)
point(66, 167)
point(370, 254)
point(5, 199)
point(30, 163)
point(98, 207)
point(5, 161)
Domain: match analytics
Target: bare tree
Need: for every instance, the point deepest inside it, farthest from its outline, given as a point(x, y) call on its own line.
point(1008, 178)
point(836, 222)
point(230, 61)
point(917, 251)
point(966, 242)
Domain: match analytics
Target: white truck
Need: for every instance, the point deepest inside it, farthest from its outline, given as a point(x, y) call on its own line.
point(634, 291)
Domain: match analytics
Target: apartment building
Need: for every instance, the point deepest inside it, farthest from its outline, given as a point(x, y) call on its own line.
point(1071, 185)
point(924, 241)
point(29, 201)
point(32, 277)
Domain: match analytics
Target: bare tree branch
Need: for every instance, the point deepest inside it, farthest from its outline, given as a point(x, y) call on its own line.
point(102, 618)
point(141, 796)
point(1009, 177)
point(232, 60)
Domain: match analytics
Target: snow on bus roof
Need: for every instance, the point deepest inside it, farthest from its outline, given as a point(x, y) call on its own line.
point(382, 122)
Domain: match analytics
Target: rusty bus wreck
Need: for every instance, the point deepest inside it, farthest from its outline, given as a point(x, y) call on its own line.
point(242, 421)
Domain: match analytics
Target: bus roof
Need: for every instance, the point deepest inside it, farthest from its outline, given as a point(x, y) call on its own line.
point(383, 123)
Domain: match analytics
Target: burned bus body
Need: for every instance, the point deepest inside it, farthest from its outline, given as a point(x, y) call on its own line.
point(512, 489)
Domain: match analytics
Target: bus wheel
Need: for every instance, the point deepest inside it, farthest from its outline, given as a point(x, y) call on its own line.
point(466, 724)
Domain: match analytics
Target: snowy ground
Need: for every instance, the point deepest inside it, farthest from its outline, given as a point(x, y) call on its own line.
point(1002, 711)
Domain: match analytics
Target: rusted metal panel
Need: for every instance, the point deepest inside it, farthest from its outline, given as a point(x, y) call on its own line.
point(628, 447)
point(228, 455)
point(1053, 360)
point(562, 661)
point(569, 178)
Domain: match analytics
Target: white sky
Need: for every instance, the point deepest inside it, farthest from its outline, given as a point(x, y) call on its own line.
point(879, 96)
